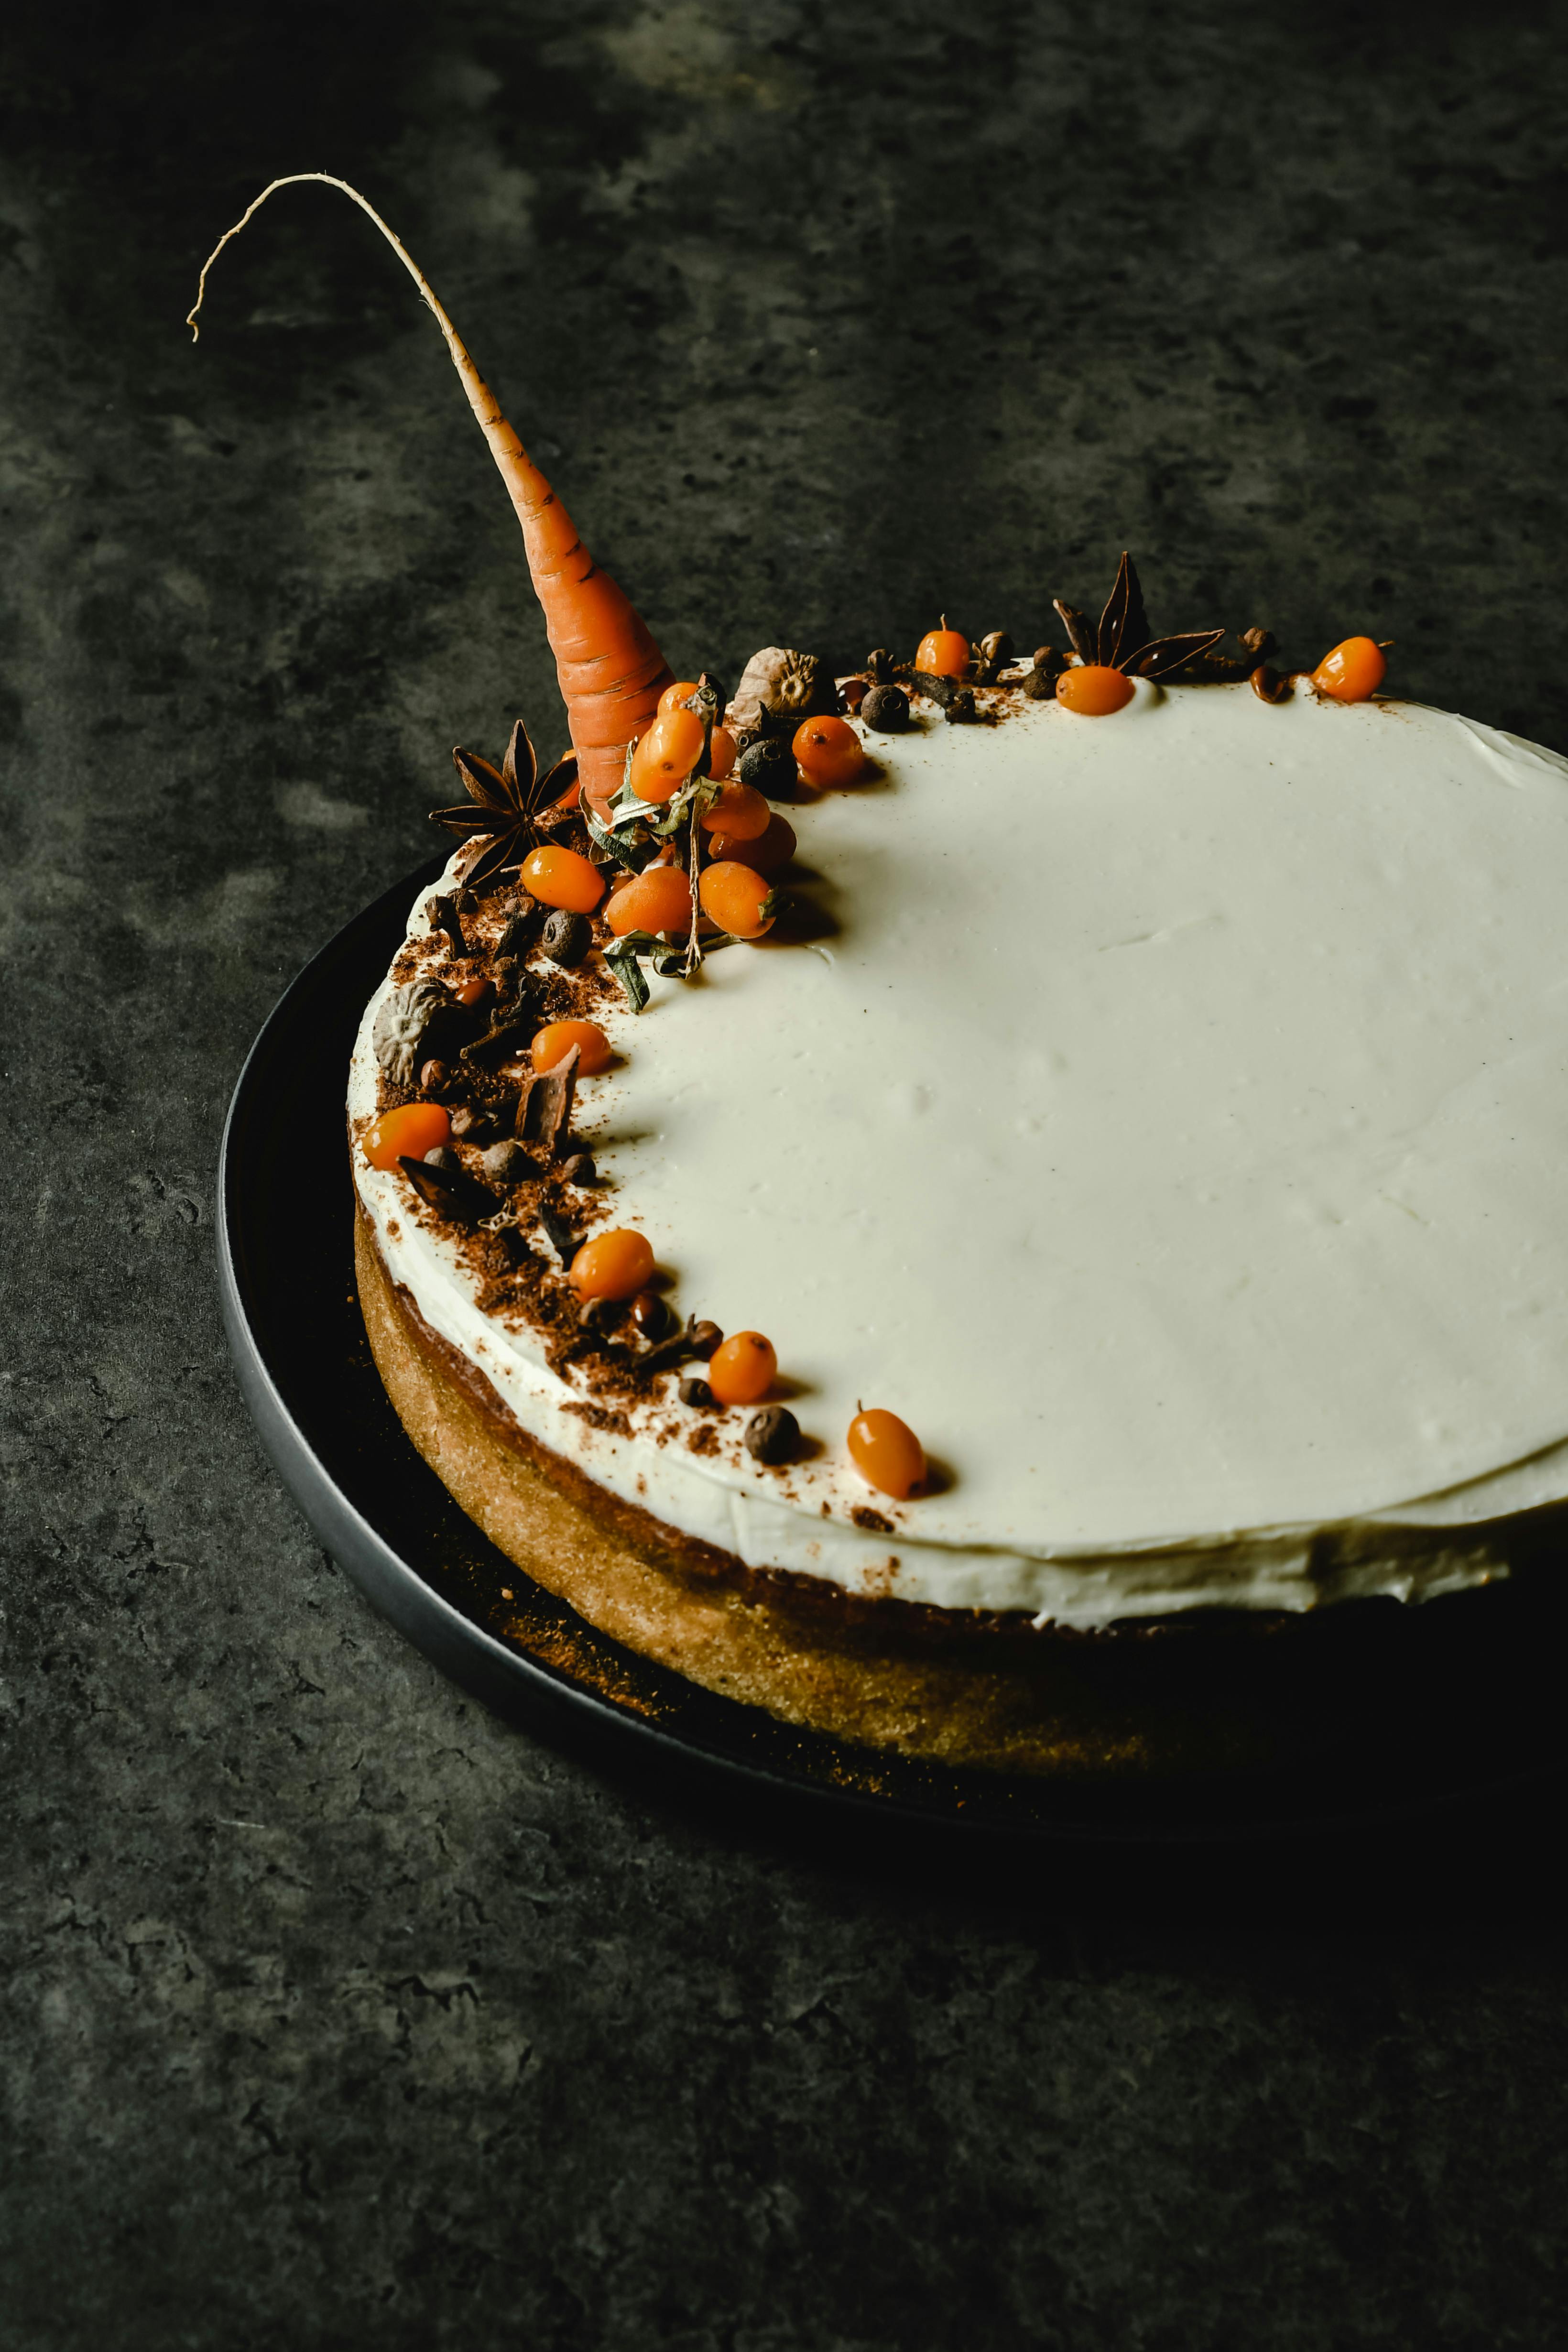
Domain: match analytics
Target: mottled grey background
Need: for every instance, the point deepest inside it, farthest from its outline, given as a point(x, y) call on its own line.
point(334, 2012)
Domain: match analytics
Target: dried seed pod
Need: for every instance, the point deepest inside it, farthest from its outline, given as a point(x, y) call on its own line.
point(1268, 686)
point(406, 1014)
point(773, 1434)
point(696, 1392)
point(580, 1168)
point(887, 709)
point(566, 938)
point(782, 686)
point(854, 691)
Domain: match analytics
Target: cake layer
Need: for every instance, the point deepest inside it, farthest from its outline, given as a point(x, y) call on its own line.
point(1169, 1129)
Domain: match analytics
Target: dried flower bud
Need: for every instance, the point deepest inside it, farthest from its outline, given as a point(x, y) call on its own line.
point(704, 1338)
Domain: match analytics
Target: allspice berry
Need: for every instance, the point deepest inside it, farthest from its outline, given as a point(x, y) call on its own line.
point(696, 1392)
point(773, 1434)
point(887, 709)
point(566, 937)
point(769, 767)
point(580, 1168)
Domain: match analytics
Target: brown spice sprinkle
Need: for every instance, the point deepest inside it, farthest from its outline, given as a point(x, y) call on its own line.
point(865, 1516)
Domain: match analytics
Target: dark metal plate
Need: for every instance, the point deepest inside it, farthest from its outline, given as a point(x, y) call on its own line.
point(1452, 1733)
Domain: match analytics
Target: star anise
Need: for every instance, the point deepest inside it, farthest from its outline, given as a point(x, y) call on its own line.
point(1122, 641)
point(509, 808)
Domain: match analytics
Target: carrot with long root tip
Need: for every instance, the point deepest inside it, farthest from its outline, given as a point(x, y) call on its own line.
point(611, 672)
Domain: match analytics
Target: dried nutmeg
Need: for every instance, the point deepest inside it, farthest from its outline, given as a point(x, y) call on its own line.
point(996, 650)
point(773, 1434)
point(653, 1316)
point(769, 767)
point(566, 938)
point(696, 1392)
point(887, 709)
point(703, 1338)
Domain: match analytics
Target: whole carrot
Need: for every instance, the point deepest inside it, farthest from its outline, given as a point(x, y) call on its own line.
point(611, 672)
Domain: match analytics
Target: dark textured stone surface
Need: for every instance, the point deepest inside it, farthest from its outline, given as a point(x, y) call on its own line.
point(336, 2012)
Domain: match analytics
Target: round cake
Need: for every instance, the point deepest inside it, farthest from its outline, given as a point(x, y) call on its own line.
point(1161, 1112)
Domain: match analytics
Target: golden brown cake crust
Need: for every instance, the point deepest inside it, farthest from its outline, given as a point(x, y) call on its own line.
point(879, 1672)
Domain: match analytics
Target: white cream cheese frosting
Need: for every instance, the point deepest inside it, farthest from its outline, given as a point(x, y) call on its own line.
point(1173, 1130)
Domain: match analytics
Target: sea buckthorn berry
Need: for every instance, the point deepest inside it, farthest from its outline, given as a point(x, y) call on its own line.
point(560, 877)
point(829, 751)
point(944, 652)
point(734, 897)
point(555, 1040)
point(1094, 691)
point(407, 1134)
point(887, 1453)
point(658, 899)
point(743, 1370)
point(738, 811)
point(766, 854)
point(1352, 671)
point(722, 750)
point(674, 696)
point(666, 754)
point(612, 1265)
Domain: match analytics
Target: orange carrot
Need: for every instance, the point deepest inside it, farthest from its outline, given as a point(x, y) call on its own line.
point(611, 672)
